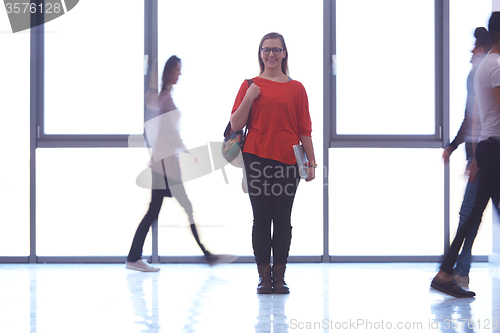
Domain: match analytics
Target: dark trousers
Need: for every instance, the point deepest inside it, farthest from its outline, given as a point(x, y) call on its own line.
point(488, 161)
point(157, 195)
point(271, 186)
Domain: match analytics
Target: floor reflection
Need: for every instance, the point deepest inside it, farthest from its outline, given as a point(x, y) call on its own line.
point(192, 298)
point(271, 316)
point(452, 315)
point(146, 313)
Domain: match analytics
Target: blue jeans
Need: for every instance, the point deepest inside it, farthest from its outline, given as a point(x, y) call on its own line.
point(464, 259)
point(488, 161)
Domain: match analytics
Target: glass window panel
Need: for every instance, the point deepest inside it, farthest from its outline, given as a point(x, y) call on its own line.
point(465, 17)
point(14, 140)
point(88, 203)
point(94, 81)
point(385, 67)
point(215, 61)
point(220, 212)
point(386, 202)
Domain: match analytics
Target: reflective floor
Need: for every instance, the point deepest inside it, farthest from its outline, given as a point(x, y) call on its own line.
point(197, 298)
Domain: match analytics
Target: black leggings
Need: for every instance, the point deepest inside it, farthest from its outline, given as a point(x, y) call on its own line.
point(157, 195)
point(488, 161)
point(271, 186)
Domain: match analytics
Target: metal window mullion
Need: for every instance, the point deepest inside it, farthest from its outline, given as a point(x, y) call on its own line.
point(36, 115)
point(329, 108)
point(442, 45)
point(151, 51)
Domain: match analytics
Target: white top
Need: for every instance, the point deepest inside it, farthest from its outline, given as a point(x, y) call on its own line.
point(487, 78)
point(162, 133)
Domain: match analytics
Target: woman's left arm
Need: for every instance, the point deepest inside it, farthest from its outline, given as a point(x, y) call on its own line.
point(308, 148)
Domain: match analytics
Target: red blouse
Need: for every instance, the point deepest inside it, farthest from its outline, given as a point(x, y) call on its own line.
point(279, 115)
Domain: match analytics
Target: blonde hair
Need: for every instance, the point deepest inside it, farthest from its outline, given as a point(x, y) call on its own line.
point(284, 63)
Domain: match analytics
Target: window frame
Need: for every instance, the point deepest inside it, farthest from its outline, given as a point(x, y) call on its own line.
point(441, 126)
point(331, 139)
point(44, 140)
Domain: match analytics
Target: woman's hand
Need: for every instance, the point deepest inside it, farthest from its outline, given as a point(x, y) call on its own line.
point(446, 154)
point(311, 173)
point(253, 92)
point(473, 171)
point(308, 148)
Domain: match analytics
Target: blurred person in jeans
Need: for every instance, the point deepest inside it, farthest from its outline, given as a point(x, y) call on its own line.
point(486, 155)
point(469, 135)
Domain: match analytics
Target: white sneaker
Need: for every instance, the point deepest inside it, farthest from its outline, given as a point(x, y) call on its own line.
point(141, 265)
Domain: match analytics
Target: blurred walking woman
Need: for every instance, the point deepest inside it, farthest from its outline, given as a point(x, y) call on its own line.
point(277, 111)
point(162, 134)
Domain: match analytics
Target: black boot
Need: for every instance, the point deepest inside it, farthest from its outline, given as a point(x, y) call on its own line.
point(265, 286)
point(279, 285)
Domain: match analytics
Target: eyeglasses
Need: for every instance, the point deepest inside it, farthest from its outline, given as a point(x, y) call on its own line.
point(266, 50)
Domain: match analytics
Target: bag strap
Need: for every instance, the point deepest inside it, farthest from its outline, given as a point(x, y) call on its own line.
point(250, 81)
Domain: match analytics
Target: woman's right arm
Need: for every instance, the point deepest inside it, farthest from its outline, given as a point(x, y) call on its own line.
point(240, 116)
